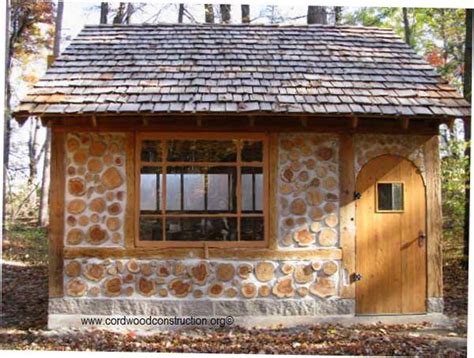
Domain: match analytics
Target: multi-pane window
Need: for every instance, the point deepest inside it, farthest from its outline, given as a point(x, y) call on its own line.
point(201, 188)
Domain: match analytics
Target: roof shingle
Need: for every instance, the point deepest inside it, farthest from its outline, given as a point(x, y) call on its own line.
point(240, 68)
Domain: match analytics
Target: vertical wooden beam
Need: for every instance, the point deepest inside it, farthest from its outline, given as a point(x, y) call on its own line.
point(347, 213)
point(434, 218)
point(129, 225)
point(405, 123)
point(354, 122)
point(56, 215)
point(273, 192)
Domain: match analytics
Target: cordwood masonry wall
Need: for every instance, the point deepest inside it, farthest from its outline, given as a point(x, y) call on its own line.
point(307, 196)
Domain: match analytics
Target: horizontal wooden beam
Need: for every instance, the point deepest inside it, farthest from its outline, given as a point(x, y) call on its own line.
point(213, 253)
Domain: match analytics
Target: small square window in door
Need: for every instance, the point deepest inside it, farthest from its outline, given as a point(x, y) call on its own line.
point(390, 197)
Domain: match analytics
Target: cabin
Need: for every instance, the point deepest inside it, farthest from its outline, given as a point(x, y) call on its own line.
point(243, 170)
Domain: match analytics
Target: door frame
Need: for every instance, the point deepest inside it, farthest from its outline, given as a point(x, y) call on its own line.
point(427, 231)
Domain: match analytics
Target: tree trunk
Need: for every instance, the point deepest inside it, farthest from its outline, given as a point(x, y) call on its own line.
point(317, 15)
point(245, 14)
point(180, 13)
point(209, 13)
point(406, 26)
point(6, 118)
point(129, 13)
point(119, 16)
point(104, 12)
point(337, 14)
point(225, 13)
point(467, 85)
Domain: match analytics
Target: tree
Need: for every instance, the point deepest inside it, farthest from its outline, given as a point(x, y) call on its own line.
point(406, 26)
point(24, 41)
point(225, 13)
point(43, 219)
point(119, 14)
point(317, 15)
point(104, 12)
point(337, 14)
point(245, 13)
point(209, 13)
point(180, 13)
point(467, 89)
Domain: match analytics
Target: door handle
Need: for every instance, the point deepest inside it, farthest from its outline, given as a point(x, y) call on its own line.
point(421, 238)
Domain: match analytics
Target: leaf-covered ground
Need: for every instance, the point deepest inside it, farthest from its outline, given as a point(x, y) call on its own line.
point(24, 312)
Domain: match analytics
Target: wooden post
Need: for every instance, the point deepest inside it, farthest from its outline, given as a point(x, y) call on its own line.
point(56, 212)
point(273, 192)
point(130, 218)
point(434, 218)
point(347, 213)
point(405, 123)
point(354, 122)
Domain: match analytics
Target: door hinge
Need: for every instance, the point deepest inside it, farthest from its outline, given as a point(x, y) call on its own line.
point(357, 195)
point(355, 277)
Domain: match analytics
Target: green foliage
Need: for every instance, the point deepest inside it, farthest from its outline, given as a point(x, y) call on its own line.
point(455, 170)
point(29, 27)
point(436, 34)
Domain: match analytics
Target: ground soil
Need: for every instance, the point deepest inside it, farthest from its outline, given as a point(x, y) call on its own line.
point(24, 319)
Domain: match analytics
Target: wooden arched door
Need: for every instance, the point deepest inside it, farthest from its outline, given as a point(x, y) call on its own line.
point(390, 238)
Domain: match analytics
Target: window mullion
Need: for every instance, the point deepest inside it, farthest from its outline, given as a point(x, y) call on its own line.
point(238, 189)
point(164, 187)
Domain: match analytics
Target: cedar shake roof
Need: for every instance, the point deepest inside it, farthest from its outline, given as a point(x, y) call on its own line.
point(313, 69)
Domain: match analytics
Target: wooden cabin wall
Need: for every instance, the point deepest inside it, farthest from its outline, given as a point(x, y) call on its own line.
point(311, 231)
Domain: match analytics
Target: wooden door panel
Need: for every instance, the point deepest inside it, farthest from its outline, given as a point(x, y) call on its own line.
point(388, 255)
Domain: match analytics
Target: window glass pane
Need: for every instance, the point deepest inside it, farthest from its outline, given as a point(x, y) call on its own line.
point(173, 191)
point(201, 189)
point(194, 192)
point(150, 189)
point(151, 151)
point(252, 189)
point(151, 229)
point(202, 151)
point(390, 196)
point(218, 189)
point(201, 229)
point(251, 229)
point(247, 192)
point(252, 151)
point(258, 192)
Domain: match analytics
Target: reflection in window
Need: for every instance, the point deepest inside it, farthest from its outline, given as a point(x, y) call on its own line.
point(173, 191)
point(251, 229)
point(193, 191)
point(150, 193)
point(252, 189)
point(151, 151)
point(218, 192)
point(201, 229)
point(252, 151)
point(200, 179)
point(151, 229)
point(202, 151)
point(200, 189)
point(390, 196)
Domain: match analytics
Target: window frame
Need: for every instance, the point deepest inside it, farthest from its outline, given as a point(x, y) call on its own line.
point(238, 164)
point(377, 210)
